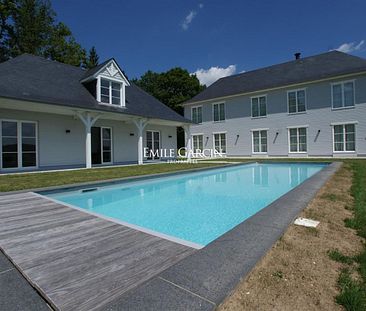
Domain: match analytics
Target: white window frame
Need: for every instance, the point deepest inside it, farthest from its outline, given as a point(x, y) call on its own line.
point(251, 106)
point(213, 112)
point(260, 138)
point(342, 83)
point(102, 144)
point(196, 107)
point(213, 140)
point(344, 136)
point(193, 137)
point(297, 104)
point(110, 80)
point(160, 143)
point(298, 141)
point(19, 143)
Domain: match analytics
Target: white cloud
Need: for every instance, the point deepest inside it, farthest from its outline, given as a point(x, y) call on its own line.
point(351, 47)
point(209, 76)
point(188, 19)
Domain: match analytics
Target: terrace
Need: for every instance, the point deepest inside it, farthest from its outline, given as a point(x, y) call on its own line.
point(76, 260)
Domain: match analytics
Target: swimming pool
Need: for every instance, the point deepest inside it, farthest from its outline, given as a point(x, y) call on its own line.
point(195, 207)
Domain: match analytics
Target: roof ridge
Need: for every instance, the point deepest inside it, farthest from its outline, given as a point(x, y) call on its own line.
point(288, 62)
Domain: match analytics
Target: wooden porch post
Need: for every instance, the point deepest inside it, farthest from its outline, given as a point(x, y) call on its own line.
point(140, 124)
point(188, 138)
point(88, 121)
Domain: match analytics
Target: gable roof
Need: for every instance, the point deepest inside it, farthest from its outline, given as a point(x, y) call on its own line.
point(307, 69)
point(33, 78)
point(89, 73)
point(93, 72)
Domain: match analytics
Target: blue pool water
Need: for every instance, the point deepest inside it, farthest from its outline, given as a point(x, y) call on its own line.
point(196, 207)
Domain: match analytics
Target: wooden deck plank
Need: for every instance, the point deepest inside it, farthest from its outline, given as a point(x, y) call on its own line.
point(76, 260)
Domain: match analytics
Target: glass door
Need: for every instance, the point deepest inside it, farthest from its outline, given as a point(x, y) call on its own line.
point(106, 144)
point(101, 145)
point(153, 144)
point(18, 144)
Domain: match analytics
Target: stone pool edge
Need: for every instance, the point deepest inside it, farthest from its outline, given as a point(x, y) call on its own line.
point(204, 279)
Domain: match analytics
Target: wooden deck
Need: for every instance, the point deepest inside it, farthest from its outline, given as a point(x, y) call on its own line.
point(78, 261)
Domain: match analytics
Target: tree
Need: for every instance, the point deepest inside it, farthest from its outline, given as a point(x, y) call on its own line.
point(172, 88)
point(31, 23)
point(63, 47)
point(92, 59)
point(6, 9)
point(29, 26)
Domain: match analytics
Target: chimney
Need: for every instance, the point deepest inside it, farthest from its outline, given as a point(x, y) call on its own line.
point(297, 55)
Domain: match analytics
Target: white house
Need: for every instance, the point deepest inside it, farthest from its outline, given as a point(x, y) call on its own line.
point(307, 107)
point(55, 115)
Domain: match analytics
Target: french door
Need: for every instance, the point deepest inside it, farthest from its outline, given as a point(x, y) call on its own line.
point(101, 145)
point(18, 144)
point(153, 144)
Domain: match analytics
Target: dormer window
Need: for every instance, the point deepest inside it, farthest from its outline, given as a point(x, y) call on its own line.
point(107, 83)
point(110, 92)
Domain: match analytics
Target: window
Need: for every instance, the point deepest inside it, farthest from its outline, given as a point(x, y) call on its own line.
point(197, 114)
point(259, 106)
point(110, 92)
point(220, 142)
point(343, 95)
point(197, 143)
point(259, 141)
point(219, 112)
point(344, 137)
point(18, 144)
point(106, 144)
point(298, 139)
point(296, 101)
point(153, 144)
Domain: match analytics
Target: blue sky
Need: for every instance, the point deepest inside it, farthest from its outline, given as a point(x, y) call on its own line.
point(215, 37)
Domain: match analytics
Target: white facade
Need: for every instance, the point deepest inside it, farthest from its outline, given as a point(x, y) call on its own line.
point(61, 139)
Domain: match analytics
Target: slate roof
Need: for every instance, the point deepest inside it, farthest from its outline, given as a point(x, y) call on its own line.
point(307, 69)
point(32, 78)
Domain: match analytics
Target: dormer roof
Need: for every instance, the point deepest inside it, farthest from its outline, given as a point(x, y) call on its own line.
point(107, 69)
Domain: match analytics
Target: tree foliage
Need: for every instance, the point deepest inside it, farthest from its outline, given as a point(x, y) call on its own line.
point(172, 88)
point(92, 59)
point(30, 26)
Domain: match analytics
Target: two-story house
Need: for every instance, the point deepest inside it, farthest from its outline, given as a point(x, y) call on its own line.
point(54, 115)
point(314, 106)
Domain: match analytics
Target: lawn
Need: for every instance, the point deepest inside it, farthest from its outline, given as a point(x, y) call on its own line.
point(316, 269)
point(352, 280)
point(15, 182)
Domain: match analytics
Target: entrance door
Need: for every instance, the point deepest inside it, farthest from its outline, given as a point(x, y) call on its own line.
point(153, 144)
point(101, 145)
point(18, 144)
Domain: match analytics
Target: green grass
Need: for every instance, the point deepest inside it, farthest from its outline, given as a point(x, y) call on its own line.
point(14, 182)
point(353, 290)
point(331, 197)
point(336, 255)
point(352, 296)
point(278, 274)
